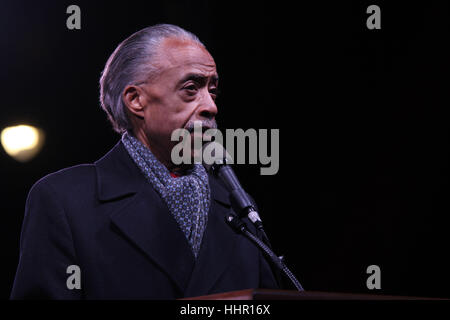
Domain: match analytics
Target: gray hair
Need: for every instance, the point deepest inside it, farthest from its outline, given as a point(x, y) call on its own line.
point(132, 63)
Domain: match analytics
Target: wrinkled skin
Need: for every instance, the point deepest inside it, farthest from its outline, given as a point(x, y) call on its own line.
point(184, 90)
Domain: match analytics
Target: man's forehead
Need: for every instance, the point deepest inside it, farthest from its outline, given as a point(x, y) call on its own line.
point(186, 54)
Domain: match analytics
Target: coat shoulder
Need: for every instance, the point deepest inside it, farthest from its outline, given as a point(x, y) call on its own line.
point(72, 179)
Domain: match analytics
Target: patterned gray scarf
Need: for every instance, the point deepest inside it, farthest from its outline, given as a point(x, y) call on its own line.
point(188, 196)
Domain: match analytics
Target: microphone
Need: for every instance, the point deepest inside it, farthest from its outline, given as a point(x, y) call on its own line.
point(215, 160)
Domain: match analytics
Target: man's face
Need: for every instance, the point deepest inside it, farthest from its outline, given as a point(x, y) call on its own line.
point(183, 91)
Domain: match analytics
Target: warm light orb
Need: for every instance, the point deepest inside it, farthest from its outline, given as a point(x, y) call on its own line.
point(22, 142)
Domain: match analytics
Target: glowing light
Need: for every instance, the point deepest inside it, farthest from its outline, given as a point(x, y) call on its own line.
point(22, 142)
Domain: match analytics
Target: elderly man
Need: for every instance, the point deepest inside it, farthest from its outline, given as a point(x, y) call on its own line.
point(133, 225)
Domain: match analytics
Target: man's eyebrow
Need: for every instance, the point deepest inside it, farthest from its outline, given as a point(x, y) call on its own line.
point(198, 77)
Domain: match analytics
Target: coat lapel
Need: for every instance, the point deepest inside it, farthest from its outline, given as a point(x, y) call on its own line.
point(144, 219)
point(142, 216)
point(218, 244)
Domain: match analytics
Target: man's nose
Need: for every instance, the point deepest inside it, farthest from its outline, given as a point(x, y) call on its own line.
point(208, 108)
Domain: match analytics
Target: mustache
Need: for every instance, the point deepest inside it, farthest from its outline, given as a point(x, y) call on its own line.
point(206, 124)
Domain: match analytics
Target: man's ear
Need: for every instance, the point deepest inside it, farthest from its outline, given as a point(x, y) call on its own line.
point(133, 98)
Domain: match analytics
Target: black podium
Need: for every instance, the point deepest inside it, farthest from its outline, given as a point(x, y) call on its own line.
point(268, 294)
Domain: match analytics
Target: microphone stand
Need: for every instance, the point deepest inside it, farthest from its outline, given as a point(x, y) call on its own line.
point(256, 222)
point(239, 226)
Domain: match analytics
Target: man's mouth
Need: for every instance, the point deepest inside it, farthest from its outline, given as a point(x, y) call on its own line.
point(204, 128)
point(203, 125)
point(201, 135)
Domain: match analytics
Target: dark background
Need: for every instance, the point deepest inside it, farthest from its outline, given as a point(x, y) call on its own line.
point(362, 115)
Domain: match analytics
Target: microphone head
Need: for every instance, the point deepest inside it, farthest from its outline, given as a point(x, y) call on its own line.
point(214, 154)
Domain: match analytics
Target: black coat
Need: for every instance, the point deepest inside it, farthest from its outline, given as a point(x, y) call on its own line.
point(108, 220)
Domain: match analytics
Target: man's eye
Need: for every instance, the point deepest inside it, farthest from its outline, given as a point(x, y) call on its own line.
point(191, 89)
point(214, 92)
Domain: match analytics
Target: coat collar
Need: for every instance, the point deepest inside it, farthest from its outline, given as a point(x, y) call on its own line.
point(144, 219)
point(118, 176)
